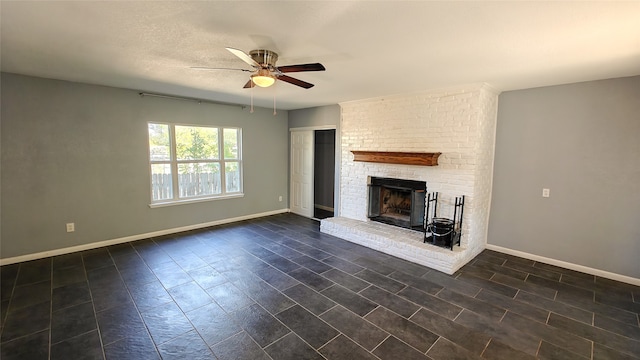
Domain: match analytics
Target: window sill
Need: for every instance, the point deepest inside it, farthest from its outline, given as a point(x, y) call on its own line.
point(195, 200)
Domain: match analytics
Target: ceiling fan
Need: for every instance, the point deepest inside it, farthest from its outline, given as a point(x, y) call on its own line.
point(265, 72)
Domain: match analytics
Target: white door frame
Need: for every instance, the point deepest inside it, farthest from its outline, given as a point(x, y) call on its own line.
point(337, 163)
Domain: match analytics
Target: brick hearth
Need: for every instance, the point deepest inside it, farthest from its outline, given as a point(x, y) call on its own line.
point(403, 243)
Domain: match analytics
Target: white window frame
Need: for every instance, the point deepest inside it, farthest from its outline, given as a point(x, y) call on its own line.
point(174, 162)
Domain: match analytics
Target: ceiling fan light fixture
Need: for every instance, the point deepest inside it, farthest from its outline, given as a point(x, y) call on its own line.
point(263, 78)
point(263, 81)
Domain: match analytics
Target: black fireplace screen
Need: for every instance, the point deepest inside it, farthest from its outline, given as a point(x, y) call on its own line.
point(397, 202)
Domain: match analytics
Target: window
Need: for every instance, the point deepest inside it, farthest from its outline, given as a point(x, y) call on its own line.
point(194, 162)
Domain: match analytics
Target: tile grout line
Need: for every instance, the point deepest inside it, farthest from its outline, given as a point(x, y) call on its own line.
point(415, 312)
point(140, 317)
point(367, 314)
point(486, 346)
point(10, 301)
point(548, 318)
point(539, 347)
point(434, 344)
point(461, 311)
point(186, 317)
point(330, 340)
point(93, 305)
point(381, 342)
point(354, 341)
point(504, 315)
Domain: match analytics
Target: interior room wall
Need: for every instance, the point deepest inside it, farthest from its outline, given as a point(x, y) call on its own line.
point(581, 141)
point(78, 153)
point(315, 117)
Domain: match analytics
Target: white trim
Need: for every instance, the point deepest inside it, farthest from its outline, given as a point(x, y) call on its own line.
point(194, 200)
point(311, 159)
point(174, 162)
point(99, 244)
point(337, 158)
point(567, 265)
point(319, 127)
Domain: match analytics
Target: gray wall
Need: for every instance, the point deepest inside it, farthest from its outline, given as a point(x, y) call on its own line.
point(78, 153)
point(582, 141)
point(322, 117)
point(315, 117)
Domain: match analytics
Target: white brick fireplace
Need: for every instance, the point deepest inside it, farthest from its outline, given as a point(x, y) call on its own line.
point(458, 122)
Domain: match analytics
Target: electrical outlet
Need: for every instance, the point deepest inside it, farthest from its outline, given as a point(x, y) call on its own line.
point(280, 198)
point(71, 227)
point(545, 192)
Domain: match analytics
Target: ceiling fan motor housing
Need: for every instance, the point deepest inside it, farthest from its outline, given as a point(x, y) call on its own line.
point(265, 58)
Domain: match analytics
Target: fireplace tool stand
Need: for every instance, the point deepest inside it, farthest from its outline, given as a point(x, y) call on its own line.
point(442, 231)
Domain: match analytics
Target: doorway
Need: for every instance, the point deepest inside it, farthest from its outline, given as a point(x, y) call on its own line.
point(324, 173)
point(312, 182)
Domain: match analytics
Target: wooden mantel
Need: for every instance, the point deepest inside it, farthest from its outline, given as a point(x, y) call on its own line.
point(405, 158)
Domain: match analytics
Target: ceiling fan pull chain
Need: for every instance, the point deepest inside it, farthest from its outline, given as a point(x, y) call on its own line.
point(274, 101)
point(251, 111)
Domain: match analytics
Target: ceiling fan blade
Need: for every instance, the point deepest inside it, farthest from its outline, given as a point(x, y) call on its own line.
point(244, 57)
point(301, 67)
point(211, 68)
point(293, 81)
point(248, 85)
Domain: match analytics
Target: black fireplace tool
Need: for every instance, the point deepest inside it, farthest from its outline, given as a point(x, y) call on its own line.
point(443, 232)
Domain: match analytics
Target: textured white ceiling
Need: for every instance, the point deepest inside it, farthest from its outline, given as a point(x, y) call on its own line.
point(369, 48)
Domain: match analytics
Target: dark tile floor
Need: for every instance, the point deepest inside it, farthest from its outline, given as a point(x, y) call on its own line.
point(321, 213)
point(276, 288)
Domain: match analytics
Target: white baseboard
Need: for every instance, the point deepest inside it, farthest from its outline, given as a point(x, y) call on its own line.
point(99, 244)
point(567, 265)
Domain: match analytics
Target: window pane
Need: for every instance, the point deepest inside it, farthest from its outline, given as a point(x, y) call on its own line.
point(230, 143)
point(198, 179)
point(232, 177)
point(161, 182)
point(159, 142)
point(196, 143)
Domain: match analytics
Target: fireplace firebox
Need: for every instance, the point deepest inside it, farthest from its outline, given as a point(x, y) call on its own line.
point(397, 202)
